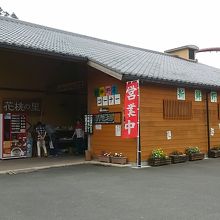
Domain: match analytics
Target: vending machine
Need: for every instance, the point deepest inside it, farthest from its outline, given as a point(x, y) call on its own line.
point(13, 136)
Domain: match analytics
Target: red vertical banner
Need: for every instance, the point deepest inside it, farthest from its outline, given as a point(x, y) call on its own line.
point(131, 108)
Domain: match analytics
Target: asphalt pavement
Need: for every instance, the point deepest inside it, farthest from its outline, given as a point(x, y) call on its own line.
point(93, 192)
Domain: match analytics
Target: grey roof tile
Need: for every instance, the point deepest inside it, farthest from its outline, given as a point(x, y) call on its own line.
point(124, 59)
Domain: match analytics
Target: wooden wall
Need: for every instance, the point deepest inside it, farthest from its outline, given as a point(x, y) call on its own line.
point(185, 133)
point(105, 139)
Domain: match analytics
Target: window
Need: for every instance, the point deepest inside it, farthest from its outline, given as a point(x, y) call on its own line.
point(191, 54)
point(177, 110)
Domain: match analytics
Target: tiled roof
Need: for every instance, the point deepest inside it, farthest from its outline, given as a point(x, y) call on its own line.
point(126, 60)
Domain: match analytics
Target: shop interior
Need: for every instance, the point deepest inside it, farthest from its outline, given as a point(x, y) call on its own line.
point(40, 88)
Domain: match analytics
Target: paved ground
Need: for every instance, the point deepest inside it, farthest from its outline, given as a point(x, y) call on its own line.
point(184, 191)
point(34, 163)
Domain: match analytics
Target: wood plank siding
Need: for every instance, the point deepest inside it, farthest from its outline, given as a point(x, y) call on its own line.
point(188, 130)
point(185, 132)
point(105, 139)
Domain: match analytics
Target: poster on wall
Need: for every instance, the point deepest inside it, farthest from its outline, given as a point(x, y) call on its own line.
point(99, 101)
point(213, 97)
point(181, 95)
point(108, 90)
point(117, 99)
point(198, 95)
point(105, 100)
point(111, 100)
point(169, 135)
point(98, 127)
point(131, 106)
point(117, 130)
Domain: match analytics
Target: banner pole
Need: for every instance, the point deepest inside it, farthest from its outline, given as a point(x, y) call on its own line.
point(138, 136)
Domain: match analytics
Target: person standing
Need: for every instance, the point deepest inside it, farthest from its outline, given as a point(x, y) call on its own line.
point(51, 132)
point(79, 134)
point(41, 134)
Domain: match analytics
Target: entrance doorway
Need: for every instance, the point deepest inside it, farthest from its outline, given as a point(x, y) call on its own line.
point(57, 83)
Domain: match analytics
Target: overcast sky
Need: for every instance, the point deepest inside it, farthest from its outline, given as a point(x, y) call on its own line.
point(152, 24)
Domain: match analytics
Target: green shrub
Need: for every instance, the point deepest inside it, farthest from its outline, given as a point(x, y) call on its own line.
point(176, 152)
point(158, 153)
point(215, 148)
point(192, 150)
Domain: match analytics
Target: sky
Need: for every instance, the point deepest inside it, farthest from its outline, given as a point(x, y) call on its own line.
point(152, 24)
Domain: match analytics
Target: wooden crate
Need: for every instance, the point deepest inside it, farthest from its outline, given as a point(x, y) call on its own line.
point(159, 161)
point(214, 153)
point(196, 156)
point(119, 160)
point(104, 159)
point(179, 158)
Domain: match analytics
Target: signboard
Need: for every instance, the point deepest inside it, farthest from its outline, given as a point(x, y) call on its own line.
point(107, 95)
point(88, 124)
point(108, 100)
point(106, 91)
point(131, 108)
point(21, 106)
point(107, 118)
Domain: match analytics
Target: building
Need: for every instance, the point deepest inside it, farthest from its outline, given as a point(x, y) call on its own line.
point(67, 72)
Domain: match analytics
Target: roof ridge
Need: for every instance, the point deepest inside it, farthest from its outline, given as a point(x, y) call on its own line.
point(81, 35)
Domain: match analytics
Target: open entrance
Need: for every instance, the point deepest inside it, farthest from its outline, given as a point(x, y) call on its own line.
point(37, 88)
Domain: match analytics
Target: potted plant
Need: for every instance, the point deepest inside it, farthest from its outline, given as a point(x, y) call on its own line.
point(104, 157)
point(214, 152)
point(118, 158)
point(158, 158)
point(178, 157)
point(194, 153)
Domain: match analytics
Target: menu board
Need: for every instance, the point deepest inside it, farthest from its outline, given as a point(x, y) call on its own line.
point(18, 123)
point(89, 124)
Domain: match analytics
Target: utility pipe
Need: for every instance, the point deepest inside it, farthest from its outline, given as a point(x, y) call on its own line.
point(207, 121)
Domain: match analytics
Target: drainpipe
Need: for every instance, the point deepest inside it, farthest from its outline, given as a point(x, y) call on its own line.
point(207, 120)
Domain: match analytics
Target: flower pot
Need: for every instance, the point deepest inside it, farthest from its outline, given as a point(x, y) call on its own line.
point(214, 153)
point(196, 156)
point(119, 160)
point(179, 158)
point(159, 161)
point(104, 159)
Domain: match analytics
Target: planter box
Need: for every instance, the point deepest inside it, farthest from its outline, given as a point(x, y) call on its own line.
point(159, 162)
point(119, 160)
point(179, 158)
point(214, 153)
point(196, 156)
point(104, 159)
